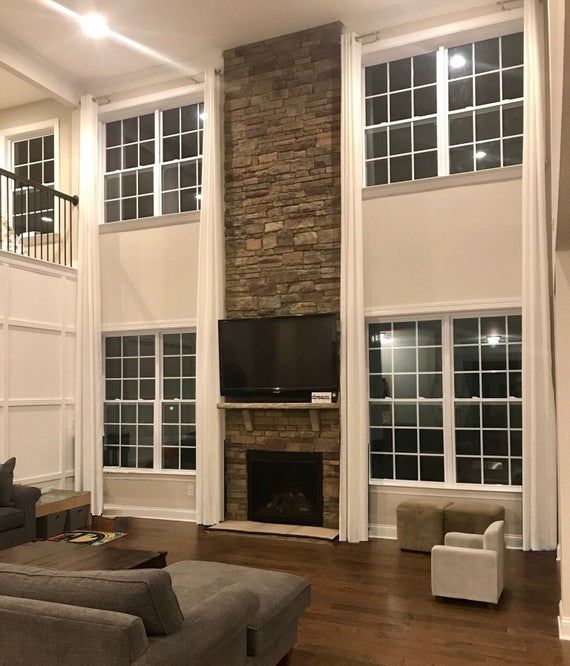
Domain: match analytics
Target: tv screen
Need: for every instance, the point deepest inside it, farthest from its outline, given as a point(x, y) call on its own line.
point(278, 356)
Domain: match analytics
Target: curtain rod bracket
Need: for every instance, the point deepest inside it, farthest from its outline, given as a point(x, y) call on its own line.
point(369, 37)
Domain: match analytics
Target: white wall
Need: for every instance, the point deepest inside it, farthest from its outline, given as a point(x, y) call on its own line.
point(438, 247)
point(446, 245)
point(149, 280)
point(37, 325)
point(149, 275)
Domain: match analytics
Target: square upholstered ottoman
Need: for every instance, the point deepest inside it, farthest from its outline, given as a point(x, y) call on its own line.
point(420, 524)
point(472, 517)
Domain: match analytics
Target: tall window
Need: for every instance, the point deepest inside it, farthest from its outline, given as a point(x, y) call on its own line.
point(34, 159)
point(150, 395)
point(153, 163)
point(446, 401)
point(473, 93)
point(401, 122)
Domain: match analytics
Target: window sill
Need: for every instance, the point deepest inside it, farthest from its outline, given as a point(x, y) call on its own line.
point(148, 472)
point(150, 222)
point(426, 487)
point(443, 182)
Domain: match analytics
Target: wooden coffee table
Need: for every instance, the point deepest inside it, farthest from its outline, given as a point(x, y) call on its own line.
point(81, 557)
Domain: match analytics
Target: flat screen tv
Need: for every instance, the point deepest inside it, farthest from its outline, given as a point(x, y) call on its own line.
point(278, 358)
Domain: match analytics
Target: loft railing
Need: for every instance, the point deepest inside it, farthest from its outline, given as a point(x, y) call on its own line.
point(35, 220)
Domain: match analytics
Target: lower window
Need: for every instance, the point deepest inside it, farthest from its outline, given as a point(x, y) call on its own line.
point(150, 401)
point(445, 399)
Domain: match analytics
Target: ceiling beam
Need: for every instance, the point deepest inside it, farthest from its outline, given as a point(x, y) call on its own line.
point(20, 61)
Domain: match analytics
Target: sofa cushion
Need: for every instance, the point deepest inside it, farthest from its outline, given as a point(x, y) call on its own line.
point(7, 483)
point(145, 593)
point(283, 597)
point(11, 519)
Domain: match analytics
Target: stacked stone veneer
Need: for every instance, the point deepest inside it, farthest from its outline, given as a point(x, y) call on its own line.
point(282, 221)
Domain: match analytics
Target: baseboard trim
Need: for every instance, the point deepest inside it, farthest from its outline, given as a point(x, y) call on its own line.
point(383, 532)
point(512, 541)
point(153, 513)
point(564, 628)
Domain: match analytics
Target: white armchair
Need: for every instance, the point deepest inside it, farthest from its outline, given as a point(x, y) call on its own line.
point(470, 566)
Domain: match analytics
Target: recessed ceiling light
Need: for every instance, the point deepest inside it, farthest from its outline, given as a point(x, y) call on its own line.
point(94, 25)
point(46, 219)
point(480, 154)
point(203, 115)
point(493, 340)
point(457, 61)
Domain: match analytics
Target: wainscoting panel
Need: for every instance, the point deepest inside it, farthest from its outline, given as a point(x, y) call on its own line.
point(37, 329)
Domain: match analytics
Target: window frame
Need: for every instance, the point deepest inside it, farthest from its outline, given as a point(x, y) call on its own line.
point(438, 40)
point(139, 106)
point(12, 135)
point(448, 397)
point(157, 402)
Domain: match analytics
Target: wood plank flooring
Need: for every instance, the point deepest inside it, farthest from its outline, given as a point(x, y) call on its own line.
point(372, 604)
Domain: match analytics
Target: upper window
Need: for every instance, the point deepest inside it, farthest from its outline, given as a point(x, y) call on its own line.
point(153, 164)
point(446, 400)
point(150, 396)
point(33, 158)
point(449, 111)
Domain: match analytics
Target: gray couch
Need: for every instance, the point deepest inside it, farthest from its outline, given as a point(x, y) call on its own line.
point(18, 522)
point(202, 613)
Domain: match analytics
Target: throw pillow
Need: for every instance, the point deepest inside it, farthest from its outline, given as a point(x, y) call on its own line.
point(7, 482)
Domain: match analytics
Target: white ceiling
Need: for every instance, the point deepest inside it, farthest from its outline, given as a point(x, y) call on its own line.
point(190, 32)
point(15, 91)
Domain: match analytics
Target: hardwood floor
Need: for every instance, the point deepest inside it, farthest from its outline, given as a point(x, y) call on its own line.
point(372, 604)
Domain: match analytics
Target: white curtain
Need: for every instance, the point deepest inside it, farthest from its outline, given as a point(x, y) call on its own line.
point(539, 427)
point(210, 308)
point(353, 379)
point(88, 373)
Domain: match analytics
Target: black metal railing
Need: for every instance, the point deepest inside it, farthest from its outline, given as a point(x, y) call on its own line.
point(35, 220)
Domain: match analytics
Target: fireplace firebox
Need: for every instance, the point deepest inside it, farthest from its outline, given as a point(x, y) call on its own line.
point(285, 487)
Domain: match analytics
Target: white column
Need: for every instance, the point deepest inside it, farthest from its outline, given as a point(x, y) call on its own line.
point(88, 385)
point(210, 308)
point(353, 379)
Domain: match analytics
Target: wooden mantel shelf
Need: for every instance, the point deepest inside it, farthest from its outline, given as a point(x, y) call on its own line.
point(247, 407)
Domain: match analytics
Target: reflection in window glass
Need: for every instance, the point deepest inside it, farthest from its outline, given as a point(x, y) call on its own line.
point(487, 355)
point(447, 387)
point(400, 111)
point(406, 411)
point(485, 92)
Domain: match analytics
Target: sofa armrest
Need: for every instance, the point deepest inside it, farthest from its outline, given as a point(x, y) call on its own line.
point(462, 540)
point(40, 631)
point(25, 498)
point(214, 632)
point(465, 573)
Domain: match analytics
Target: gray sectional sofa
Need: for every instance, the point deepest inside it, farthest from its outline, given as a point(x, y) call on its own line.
point(192, 612)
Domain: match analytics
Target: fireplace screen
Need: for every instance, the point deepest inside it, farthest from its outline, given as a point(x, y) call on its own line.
point(285, 487)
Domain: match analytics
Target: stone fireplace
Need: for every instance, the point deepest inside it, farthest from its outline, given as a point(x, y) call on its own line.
point(282, 227)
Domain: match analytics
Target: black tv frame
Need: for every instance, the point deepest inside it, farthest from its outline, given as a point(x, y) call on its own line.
point(278, 394)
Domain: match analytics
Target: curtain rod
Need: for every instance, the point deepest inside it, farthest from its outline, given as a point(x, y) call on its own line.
point(374, 36)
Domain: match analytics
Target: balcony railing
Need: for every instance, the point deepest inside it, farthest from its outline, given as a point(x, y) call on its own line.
point(35, 220)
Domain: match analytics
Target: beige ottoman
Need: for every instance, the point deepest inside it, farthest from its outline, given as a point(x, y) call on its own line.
point(420, 524)
point(472, 517)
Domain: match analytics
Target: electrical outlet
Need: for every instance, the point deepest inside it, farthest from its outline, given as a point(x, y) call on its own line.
point(191, 489)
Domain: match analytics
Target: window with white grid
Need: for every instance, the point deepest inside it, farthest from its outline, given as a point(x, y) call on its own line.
point(445, 399)
point(34, 158)
point(150, 396)
point(153, 163)
point(401, 120)
point(450, 111)
point(487, 374)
